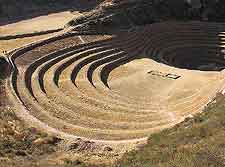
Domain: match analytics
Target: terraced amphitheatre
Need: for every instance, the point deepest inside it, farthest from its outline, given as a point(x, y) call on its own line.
point(122, 88)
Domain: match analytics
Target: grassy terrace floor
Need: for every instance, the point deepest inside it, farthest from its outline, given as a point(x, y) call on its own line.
point(196, 142)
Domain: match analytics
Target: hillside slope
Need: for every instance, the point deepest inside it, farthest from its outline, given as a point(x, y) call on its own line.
point(14, 10)
point(198, 141)
point(117, 14)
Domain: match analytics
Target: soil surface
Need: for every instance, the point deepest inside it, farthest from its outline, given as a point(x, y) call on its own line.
point(37, 24)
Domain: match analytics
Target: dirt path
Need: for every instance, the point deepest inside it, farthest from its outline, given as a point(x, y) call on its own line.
point(82, 40)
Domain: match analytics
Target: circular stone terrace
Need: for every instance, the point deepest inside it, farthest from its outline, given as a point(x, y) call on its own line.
point(122, 88)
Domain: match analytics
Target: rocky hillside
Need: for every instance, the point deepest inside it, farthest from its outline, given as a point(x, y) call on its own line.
point(121, 14)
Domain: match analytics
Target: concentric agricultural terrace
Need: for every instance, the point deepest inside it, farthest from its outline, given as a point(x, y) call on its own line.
point(122, 88)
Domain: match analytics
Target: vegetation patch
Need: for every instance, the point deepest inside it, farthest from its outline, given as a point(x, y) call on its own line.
point(4, 68)
point(196, 142)
point(126, 14)
point(19, 142)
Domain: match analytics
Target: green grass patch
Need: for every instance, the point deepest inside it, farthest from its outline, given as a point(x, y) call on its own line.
point(196, 142)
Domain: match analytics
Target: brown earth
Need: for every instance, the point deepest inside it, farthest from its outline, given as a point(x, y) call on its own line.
point(102, 116)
